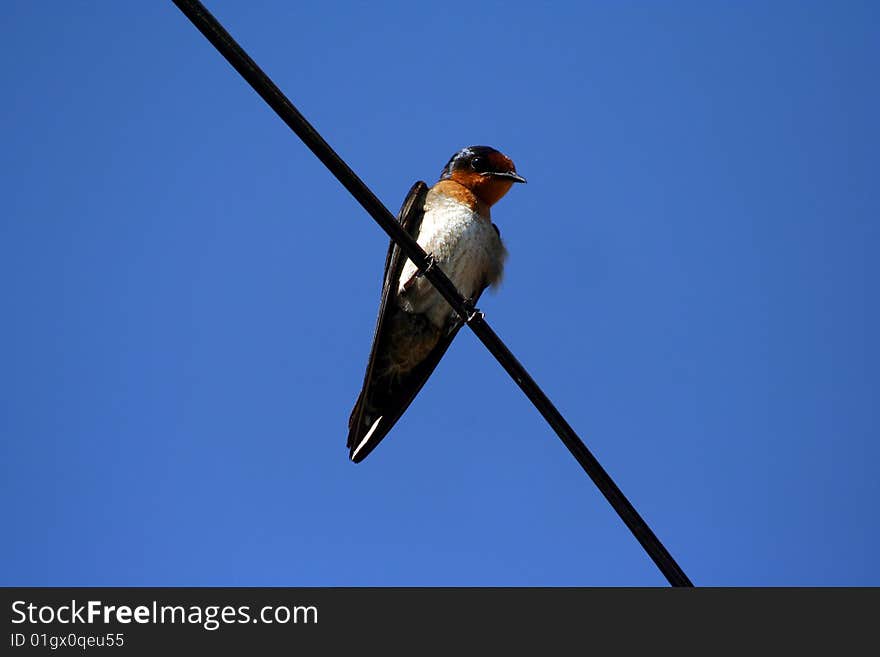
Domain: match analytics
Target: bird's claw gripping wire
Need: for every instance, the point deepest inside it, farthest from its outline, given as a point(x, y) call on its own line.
point(432, 263)
point(472, 312)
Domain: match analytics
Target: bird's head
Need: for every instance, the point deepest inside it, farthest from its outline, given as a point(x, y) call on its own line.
point(488, 173)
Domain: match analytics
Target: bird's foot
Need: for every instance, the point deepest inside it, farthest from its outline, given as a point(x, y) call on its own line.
point(432, 262)
point(472, 313)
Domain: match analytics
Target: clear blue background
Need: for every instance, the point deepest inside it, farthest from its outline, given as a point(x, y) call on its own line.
point(188, 297)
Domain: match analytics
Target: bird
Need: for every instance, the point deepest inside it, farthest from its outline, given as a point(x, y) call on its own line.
point(452, 222)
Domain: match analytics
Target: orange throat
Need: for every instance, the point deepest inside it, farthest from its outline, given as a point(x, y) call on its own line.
point(487, 189)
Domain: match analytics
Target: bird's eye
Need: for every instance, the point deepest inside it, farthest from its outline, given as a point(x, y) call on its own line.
point(478, 164)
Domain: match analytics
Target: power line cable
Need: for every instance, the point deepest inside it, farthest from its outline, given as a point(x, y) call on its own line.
point(196, 12)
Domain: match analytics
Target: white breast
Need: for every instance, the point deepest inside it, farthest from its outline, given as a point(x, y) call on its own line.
point(467, 248)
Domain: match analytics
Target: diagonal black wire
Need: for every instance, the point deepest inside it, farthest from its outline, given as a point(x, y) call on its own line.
point(241, 62)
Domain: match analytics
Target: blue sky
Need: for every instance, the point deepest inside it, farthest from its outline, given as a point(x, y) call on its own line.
point(189, 296)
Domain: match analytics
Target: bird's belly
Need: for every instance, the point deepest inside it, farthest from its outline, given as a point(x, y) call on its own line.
point(468, 250)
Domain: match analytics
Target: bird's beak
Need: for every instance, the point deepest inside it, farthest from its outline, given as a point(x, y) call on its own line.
point(509, 175)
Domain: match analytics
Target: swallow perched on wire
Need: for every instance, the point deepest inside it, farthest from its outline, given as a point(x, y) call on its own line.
point(452, 222)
